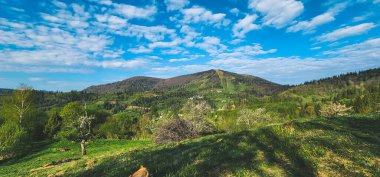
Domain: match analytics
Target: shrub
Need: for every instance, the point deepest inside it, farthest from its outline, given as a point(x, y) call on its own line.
point(248, 118)
point(335, 110)
point(176, 129)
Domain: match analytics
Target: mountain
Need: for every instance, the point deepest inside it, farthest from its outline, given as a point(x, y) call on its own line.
point(206, 80)
point(138, 83)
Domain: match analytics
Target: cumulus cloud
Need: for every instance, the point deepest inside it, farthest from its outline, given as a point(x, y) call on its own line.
point(277, 13)
point(211, 44)
point(244, 26)
point(235, 11)
point(197, 14)
point(130, 11)
point(176, 4)
point(180, 59)
point(247, 51)
point(309, 26)
point(140, 49)
point(369, 49)
point(346, 32)
point(66, 39)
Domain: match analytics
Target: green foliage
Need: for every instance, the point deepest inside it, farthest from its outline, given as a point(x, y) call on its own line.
point(13, 140)
point(54, 124)
point(21, 122)
point(121, 125)
point(328, 146)
point(252, 118)
point(71, 112)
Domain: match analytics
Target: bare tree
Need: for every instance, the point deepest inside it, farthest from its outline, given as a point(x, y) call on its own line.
point(22, 101)
point(85, 129)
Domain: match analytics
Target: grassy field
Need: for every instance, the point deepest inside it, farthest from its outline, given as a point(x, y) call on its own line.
point(348, 146)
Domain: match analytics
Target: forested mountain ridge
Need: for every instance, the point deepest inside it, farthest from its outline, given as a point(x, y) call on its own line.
point(329, 85)
point(211, 79)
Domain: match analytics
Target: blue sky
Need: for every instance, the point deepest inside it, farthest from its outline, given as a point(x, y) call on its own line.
point(70, 45)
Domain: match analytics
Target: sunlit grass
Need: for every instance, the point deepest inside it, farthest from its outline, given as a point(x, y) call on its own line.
point(348, 146)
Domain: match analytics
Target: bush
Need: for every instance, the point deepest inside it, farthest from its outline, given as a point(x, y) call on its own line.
point(120, 126)
point(176, 129)
point(249, 118)
point(335, 110)
point(13, 140)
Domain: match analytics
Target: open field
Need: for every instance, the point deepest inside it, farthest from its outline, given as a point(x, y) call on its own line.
point(347, 146)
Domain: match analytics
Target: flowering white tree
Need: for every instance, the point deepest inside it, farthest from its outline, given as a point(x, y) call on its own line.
point(248, 118)
point(335, 110)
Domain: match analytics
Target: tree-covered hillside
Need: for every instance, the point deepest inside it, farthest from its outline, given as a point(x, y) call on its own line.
point(208, 103)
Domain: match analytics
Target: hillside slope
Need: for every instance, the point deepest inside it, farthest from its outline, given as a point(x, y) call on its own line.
point(211, 79)
point(368, 78)
point(348, 146)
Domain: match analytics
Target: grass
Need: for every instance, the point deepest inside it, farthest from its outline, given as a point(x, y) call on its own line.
point(348, 146)
point(37, 163)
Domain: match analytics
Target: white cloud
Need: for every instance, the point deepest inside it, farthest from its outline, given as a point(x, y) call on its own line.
point(151, 33)
point(211, 44)
point(244, 26)
point(235, 11)
point(130, 11)
point(111, 21)
point(362, 17)
point(346, 32)
point(315, 48)
point(161, 44)
point(245, 52)
point(176, 4)
point(309, 26)
point(180, 60)
point(59, 4)
point(140, 49)
point(295, 70)
point(188, 58)
point(236, 41)
point(126, 64)
point(197, 14)
point(277, 13)
point(36, 79)
point(369, 49)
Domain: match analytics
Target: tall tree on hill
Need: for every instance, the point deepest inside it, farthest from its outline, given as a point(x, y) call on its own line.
point(22, 102)
point(17, 112)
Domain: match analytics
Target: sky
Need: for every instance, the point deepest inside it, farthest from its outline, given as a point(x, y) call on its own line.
point(63, 45)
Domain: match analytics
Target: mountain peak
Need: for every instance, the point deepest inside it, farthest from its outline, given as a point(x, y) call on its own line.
point(207, 80)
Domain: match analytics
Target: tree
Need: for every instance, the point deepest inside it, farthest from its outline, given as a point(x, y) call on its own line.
point(17, 125)
point(85, 129)
point(335, 110)
point(195, 111)
point(77, 123)
point(248, 118)
point(54, 123)
point(175, 129)
point(22, 101)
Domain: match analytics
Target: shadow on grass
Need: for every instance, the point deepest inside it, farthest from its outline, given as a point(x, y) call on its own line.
point(29, 153)
point(248, 150)
point(214, 156)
